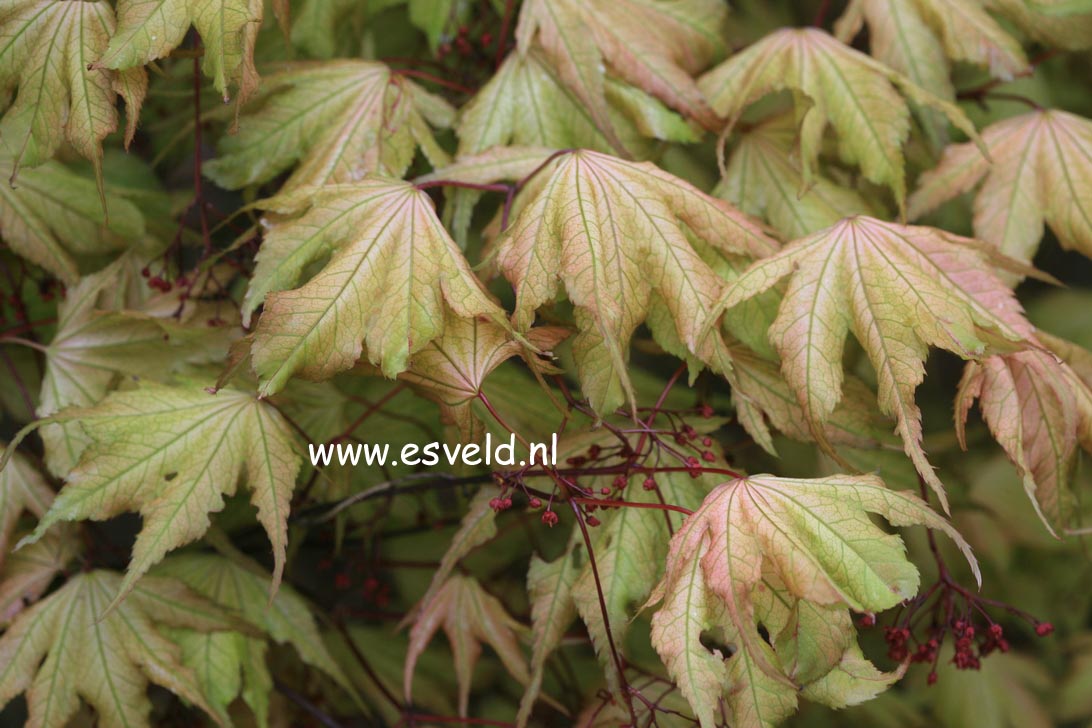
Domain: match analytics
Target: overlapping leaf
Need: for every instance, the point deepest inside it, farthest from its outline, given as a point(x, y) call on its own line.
point(1061, 23)
point(764, 180)
point(581, 39)
point(900, 289)
point(614, 234)
point(469, 617)
point(525, 103)
point(920, 37)
point(392, 276)
point(52, 216)
point(630, 547)
point(150, 29)
point(763, 398)
point(172, 453)
point(230, 664)
point(28, 572)
point(46, 47)
point(104, 657)
point(451, 369)
point(814, 543)
point(549, 586)
point(92, 347)
point(22, 490)
point(833, 85)
point(1041, 170)
point(333, 122)
point(1040, 411)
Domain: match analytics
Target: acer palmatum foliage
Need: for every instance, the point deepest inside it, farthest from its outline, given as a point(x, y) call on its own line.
point(780, 284)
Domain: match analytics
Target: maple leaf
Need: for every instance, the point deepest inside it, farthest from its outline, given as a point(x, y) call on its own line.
point(900, 289)
point(104, 657)
point(526, 104)
point(172, 453)
point(761, 394)
point(22, 489)
point(918, 38)
point(228, 664)
point(600, 226)
point(451, 369)
point(549, 587)
point(28, 572)
point(334, 122)
point(45, 49)
point(54, 215)
point(392, 275)
point(629, 547)
point(581, 38)
point(816, 539)
point(478, 526)
point(832, 85)
point(92, 347)
point(763, 180)
point(1040, 411)
point(469, 616)
point(150, 29)
point(1041, 171)
point(1066, 25)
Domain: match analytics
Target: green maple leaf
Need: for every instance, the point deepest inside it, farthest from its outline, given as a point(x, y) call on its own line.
point(52, 216)
point(813, 543)
point(46, 47)
point(105, 657)
point(550, 587)
point(1040, 412)
point(333, 122)
point(172, 453)
point(598, 226)
point(581, 39)
point(526, 104)
point(392, 275)
point(834, 85)
point(1041, 170)
point(764, 180)
point(900, 289)
point(230, 664)
point(92, 348)
point(630, 547)
point(150, 29)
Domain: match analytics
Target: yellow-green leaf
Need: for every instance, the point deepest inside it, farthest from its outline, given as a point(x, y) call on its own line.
point(46, 48)
point(172, 453)
point(392, 276)
point(614, 233)
point(900, 289)
point(150, 29)
point(331, 122)
point(107, 658)
point(833, 85)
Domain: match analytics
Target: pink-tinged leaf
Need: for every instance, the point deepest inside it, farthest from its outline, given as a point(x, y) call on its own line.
point(1039, 411)
point(469, 616)
point(1041, 171)
point(900, 289)
point(815, 544)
